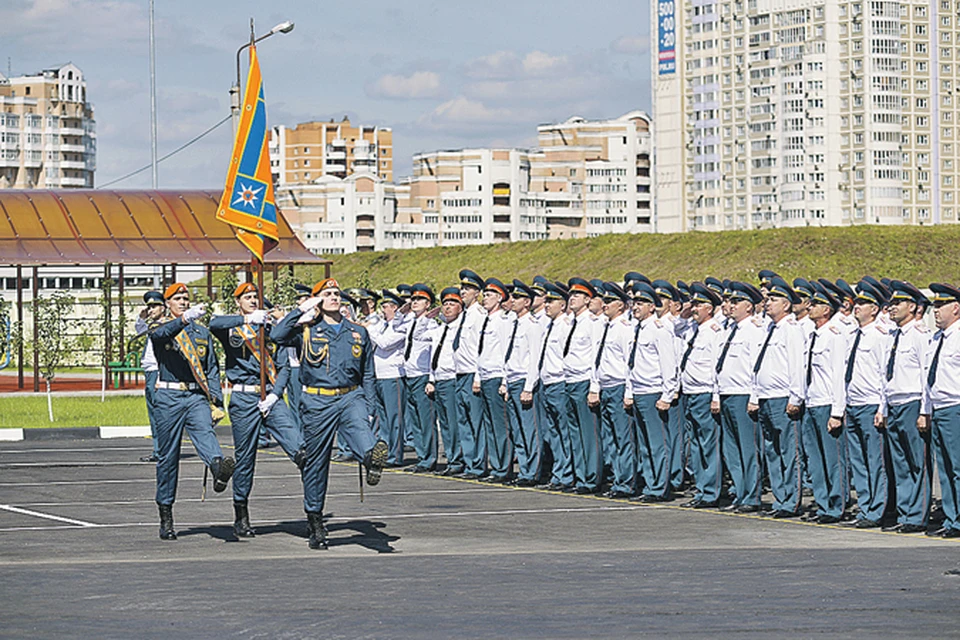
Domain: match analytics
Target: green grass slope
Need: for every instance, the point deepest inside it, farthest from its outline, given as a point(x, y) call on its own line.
point(918, 254)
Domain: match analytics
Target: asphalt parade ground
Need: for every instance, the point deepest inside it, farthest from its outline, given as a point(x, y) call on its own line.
point(425, 556)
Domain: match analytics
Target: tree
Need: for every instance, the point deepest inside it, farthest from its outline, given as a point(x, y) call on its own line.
point(53, 337)
point(6, 332)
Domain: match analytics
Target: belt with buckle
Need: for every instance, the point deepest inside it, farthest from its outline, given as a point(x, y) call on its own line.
point(245, 388)
point(177, 386)
point(320, 391)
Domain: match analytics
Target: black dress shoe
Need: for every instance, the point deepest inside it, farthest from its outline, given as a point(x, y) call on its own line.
point(451, 471)
point(150, 458)
point(913, 528)
point(866, 523)
point(584, 491)
point(730, 508)
point(617, 495)
point(469, 476)
point(780, 514)
point(950, 533)
point(692, 504)
point(894, 528)
point(221, 469)
point(525, 482)
point(703, 504)
point(549, 486)
point(375, 461)
point(419, 469)
point(747, 508)
point(825, 519)
point(936, 533)
point(569, 489)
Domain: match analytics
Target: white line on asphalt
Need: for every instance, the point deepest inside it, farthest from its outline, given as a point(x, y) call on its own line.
point(367, 516)
point(59, 450)
point(27, 512)
point(263, 498)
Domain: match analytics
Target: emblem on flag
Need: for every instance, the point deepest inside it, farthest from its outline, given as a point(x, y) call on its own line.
point(248, 203)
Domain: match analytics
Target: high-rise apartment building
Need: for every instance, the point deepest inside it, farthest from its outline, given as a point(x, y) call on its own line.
point(585, 179)
point(315, 149)
point(48, 134)
point(805, 112)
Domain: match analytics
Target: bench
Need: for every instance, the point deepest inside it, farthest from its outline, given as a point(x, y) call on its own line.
point(129, 364)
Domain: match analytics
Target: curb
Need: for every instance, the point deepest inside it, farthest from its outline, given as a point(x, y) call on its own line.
point(41, 434)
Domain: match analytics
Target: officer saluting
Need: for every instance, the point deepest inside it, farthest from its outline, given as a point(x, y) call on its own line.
point(239, 335)
point(336, 369)
point(188, 398)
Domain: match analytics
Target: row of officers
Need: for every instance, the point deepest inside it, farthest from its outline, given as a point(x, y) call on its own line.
point(636, 390)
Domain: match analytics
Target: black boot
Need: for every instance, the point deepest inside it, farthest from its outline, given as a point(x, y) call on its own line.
point(241, 521)
point(375, 461)
point(318, 532)
point(221, 469)
point(300, 458)
point(166, 522)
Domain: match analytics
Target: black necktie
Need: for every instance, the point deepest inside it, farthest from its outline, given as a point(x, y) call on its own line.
point(893, 353)
point(763, 349)
point(406, 352)
point(513, 336)
point(726, 347)
point(436, 354)
point(543, 350)
point(483, 330)
point(813, 341)
point(456, 338)
point(853, 357)
point(603, 341)
point(566, 347)
point(932, 374)
point(633, 352)
point(686, 354)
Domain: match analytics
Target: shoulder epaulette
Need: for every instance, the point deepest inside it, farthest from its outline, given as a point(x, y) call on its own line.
point(791, 321)
point(757, 321)
point(716, 327)
point(922, 328)
point(658, 323)
point(882, 330)
point(834, 329)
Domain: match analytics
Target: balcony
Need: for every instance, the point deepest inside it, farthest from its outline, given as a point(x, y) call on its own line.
point(73, 164)
point(72, 148)
point(71, 131)
point(73, 182)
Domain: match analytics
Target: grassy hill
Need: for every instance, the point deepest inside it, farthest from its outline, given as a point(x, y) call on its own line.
point(918, 254)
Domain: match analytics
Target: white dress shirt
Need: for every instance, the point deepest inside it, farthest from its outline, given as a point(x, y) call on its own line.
point(700, 373)
point(909, 374)
point(579, 362)
point(469, 330)
point(421, 333)
point(495, 334)
point(554, 337)
point(524, 356)
point(655, 364)
point(614, 352)
point(446, 368)
point(149, 360)
point(826, 361)
point(869, 366)
point(946, 388)
point(388, 339)
point(781, 372)
point(736, 375)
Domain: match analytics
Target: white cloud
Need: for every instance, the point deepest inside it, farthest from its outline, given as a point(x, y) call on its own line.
point(631, 45)
point(540, 64)
point(465, 115)
point(420, 84)
point(499, 65)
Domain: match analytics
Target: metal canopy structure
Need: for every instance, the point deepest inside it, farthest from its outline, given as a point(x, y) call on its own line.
point(74, 227)
point(89, 226)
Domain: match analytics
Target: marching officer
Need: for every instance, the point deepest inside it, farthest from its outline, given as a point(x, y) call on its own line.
point(152, 313)
point(336, 368)
point(552, 388)
point(466, 343)
point(779, 385)
point(293, 358)
point(443, 380)
point(188, 398)
point(741, 439)
point(903, 393)
point(579, 355)
point(824, 404)
point(608, 390)
point(240, 338)
point(651, 391)
point(520, 380)
point(941, 409)
point(488, 383)
point(698, 379)
point(420, 333)
point(865, 425)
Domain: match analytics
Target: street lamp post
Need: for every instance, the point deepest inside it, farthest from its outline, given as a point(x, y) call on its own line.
point(283, 27)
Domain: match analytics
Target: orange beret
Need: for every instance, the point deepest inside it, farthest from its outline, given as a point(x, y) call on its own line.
point(323, 285)
point(174, 289)
point(242, 288)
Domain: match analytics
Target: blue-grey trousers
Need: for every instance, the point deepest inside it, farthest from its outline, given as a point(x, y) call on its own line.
point(423, 420)
point(445, 400)
point(149, 390)
point(910, 462)
point(780, 435)
point(946, 444)
point(865, 448)
point(616, 423)
point(826, 460)
point(470, 416)
point(558, 426)
point(246, 421)
point(741, 448)
point(176, 412)
point(391, 398)
point(524, 431)
point(499, 444)
point(653, 444)
point(704, 447)
point(585, 436)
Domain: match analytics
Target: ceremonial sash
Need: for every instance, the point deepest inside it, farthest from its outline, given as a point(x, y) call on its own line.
point(189, 352)
point(252, 339)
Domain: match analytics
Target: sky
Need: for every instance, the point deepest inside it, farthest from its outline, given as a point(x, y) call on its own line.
point(442, 75)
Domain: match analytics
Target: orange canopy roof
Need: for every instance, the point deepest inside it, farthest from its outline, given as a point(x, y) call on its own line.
point(92, 226)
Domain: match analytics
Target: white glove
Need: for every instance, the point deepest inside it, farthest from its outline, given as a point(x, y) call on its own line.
point(267, 403)
point(193, 313)
point(308, 304)
point(307, 317)
point(256, 317)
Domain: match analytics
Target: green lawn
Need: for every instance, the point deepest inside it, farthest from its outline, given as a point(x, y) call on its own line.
point(117, 411)
point(919, 254)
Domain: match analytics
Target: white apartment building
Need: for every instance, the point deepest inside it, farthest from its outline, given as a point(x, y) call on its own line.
point(585, 179)
point(48, 134)
point(805, 112)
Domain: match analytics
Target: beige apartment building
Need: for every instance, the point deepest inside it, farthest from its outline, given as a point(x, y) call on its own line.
point(48, 134)
point(313, 150)
point(586, 178)
point(805, 112)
